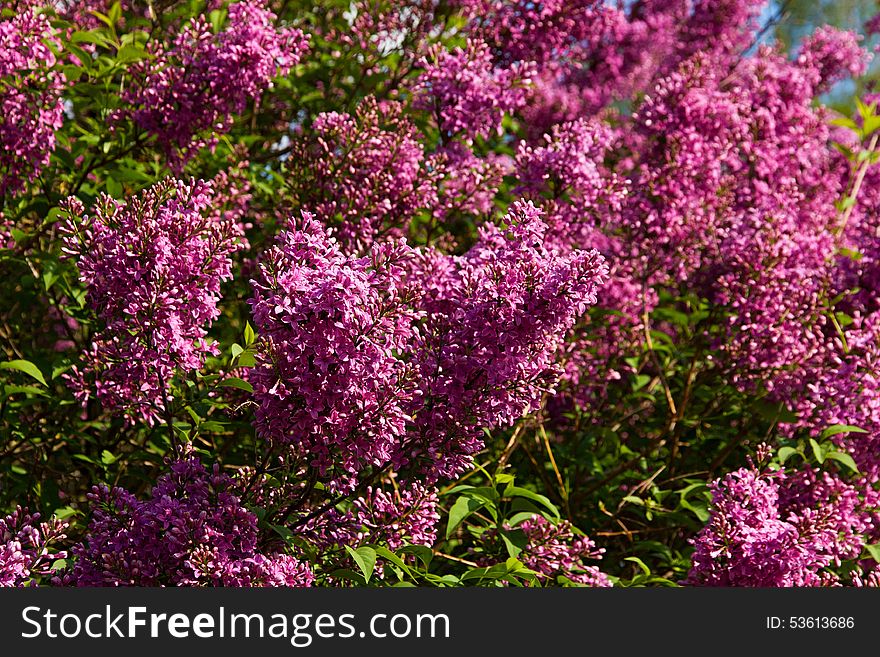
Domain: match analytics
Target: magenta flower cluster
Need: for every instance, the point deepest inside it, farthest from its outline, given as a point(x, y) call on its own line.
point(402, 357)
point(28, 547)
point(770, 529)
point(152, 266)
point(328, 380)
point(31, 110)
point(364, 175)
point(196, 84)
point(192, 531)
point(495, 320)
point(556, 551)
point(468, 95)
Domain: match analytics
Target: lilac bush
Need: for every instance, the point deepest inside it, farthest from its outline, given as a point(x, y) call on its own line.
point(567, 293)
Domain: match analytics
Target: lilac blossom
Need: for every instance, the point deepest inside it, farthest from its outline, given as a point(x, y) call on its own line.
point(495, 319)
point(28, 547)
point(192, 531)
point(153, 266)
point(30, 98)
point(365, 175)
point(188, 93)
point(466, 93)
point(328, 380)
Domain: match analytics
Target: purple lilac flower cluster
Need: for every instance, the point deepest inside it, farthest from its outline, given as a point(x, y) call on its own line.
point(31, 109)
point(778, 529)
point(192, 531)
point(153, 266)
point(328, 379)
point(402, 356)
point(555, 550)
point(199, 81)
point(365, 175)
point(467, 93)
point(496, 318)
point(27, 547)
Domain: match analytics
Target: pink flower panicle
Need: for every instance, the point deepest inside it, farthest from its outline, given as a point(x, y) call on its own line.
point(31, 110)
point(467, 93)
point(152, 266)
point(27, 547)
point(556, 551)
point(364, 175)
point(833, 55)
point(407, 515)
point(495, 319)
point(192, 531)
point(328, 380)
point(197, 83)
point(780, 529)
point(401, 356)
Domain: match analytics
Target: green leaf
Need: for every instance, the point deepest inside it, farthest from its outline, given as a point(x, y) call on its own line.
point(129, 54)
point(874, 551)
point(387, 554)
point(463, 507)
point(115, 13)
point(28, 390)
point(818, 452)
point(515, 541)
point(346, 573)
point(107, 458)
point(870, 125)
point(835, 429)
point(516, 491)
point(701, 511)
point(283, 532)
point(212, 426)
point(247, 359)
point(422, 552)
point(845, 122)
point(844, 459)
point(88, 37)
point(249, 335)
point(786, 453)
point(235, 382)
point(25, 366)
point(365, 558)
point(639, 563)
point(513, 564)
point(104, 19)
point(237, 350)
point(640, 381)
point(114, 188)
point(196, 418)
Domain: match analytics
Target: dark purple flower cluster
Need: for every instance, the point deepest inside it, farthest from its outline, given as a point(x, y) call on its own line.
point(328, 378)
point(364, 175)
point(199, 81)
point(31, 110)
point(192, 531)
point(495, 319)
point(153, 266)
point(555, 550)
point(402, 356)
point(27, 547)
